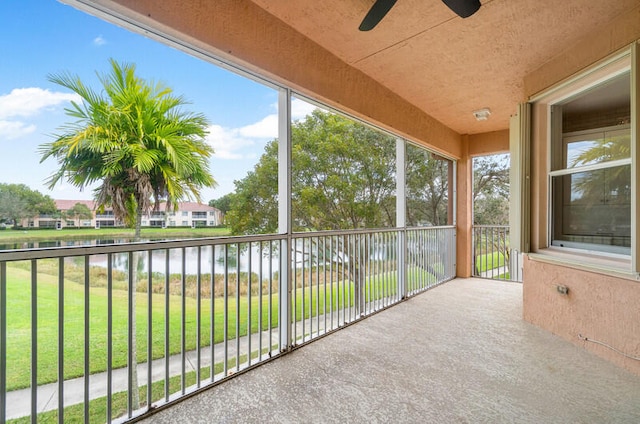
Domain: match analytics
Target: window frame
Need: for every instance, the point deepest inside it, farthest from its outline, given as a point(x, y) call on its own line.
point(623, 61)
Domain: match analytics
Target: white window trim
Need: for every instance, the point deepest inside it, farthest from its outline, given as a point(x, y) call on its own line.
point(625, 60)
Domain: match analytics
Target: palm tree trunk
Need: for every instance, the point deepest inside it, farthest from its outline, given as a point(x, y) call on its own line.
point(135, 395)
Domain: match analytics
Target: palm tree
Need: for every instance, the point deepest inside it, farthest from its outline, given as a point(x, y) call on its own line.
point(133, 140)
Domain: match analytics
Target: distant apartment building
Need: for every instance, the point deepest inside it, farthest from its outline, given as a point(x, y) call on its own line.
point(188, 214)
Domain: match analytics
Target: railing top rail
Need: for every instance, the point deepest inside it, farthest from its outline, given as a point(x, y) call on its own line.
point(491, 226)
point(435, 227)
point(57, 252)
point(365, 231)
point(65, 251)
point(343, 232)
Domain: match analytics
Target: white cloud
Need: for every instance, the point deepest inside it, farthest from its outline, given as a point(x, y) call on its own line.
point(227, 142)
point(267, 127)
point(99, 41)
point(300, 109)
point(243, 142)
point(25, 102)
point(14, 129)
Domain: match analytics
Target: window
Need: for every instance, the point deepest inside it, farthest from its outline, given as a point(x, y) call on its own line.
point(185, 213)
point(590, 185)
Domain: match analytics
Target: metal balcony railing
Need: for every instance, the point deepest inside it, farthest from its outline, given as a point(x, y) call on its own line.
point(493, 256)
point(107, 333)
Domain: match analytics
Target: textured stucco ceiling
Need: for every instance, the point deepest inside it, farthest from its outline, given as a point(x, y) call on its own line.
point(445, 65)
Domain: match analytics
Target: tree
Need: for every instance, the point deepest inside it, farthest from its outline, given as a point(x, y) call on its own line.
point(427, 193)
point(17, 202)
point(343, 177)
point(134, 140)
point(491, 190)
point(223, 204)
point(79, 211)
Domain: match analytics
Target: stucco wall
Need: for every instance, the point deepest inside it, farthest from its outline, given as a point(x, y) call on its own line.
point(597, 306)
point(600, 306)
point(489, 143)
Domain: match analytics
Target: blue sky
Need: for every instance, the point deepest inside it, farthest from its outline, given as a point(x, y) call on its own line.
point(41, 37)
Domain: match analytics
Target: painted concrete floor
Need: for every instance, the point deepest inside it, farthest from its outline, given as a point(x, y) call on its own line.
point(459, 353)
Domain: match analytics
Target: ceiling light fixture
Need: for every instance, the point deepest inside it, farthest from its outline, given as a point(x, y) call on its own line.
point(482, 114)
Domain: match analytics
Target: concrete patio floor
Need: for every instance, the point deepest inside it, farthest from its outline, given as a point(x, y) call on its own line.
point(459, 353)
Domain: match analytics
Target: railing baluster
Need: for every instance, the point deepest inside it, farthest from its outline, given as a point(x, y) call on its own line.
point(212, 319)
point(237, 306)
point(109, 336)
point(260, 282)
point(167, 322)
point(130, 329)
point(87, 368)
point(269, 308)
point(250, 253)
point(226, 310)
point(183, 321)
point(318, 286)
point(34, 342)
point(61, 340)
point(149, 327)
point(3, 341)
point(294, 300)
point(198, 316)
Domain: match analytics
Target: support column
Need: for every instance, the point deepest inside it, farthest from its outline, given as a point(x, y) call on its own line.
point(401, 215)
point(284, 216)
point(464, 211)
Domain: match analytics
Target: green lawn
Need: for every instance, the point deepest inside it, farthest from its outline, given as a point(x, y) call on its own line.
point(19, 325)
point(98, 407)
point(31, 235)
point(316, 300)
point(490, 261)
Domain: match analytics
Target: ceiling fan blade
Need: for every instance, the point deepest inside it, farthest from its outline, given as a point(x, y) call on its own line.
point(375, 14)
point(463, 8)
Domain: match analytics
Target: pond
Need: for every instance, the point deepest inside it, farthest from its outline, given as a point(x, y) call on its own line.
point(238, 256)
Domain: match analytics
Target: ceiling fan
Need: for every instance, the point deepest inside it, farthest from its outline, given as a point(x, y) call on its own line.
point(463, 8)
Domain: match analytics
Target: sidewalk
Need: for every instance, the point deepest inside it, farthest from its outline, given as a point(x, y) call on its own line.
point(19, 401)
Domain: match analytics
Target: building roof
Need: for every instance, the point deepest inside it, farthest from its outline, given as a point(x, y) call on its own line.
point(64, 205)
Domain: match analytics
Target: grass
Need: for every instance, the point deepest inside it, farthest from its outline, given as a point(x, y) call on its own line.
point(19, 326)
point(308, 303)
point(33, 235)
point(98, 406)
point(490, 261)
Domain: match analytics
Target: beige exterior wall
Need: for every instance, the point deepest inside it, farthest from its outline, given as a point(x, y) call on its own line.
point(464, 209)
point(489, 143)
point(600, 305)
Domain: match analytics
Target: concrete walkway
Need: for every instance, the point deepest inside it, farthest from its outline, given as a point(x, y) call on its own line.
point(459, 353)
point(19, 401)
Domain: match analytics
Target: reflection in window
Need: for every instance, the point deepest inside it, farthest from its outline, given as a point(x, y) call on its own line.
point(597, 147)
point(593, 207)
point(591, 168)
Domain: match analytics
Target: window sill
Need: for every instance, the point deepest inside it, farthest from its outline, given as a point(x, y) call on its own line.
point(600, 263)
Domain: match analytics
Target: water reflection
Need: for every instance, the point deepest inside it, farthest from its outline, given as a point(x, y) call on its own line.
point(203, 260)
